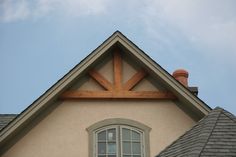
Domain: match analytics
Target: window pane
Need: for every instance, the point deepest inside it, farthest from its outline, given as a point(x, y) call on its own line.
point(136, 148)
point(101, 148)
point(102, 135)
point(126, 134)
point(126, 148)
point(111, 148)
point(118, 140)
point(135, 136)
point(111, 135)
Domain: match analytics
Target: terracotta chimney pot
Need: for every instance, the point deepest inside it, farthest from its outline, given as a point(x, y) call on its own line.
point(182, 76)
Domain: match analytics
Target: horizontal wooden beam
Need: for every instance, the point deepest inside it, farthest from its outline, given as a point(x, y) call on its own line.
point(117, 95)
point(134, 80)
point(101, 80)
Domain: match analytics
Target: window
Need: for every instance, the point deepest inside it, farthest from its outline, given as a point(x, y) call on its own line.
point(114, 140)
point(119, 138)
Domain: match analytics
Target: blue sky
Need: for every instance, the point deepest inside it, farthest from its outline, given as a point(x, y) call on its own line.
point(41, 40)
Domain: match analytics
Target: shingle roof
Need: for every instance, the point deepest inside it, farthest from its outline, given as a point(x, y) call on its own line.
point(5, 119)
point(214, 135)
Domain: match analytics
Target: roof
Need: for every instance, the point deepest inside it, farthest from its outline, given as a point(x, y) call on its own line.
point(5, 119)
point(214, 135)
point(38, 109)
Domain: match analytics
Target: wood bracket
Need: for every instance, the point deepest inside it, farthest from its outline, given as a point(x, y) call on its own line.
point(117, 90)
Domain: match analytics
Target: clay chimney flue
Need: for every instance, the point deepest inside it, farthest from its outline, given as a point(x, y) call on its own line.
point(182, 76)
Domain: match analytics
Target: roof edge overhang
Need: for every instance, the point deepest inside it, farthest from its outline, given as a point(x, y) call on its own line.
point(177, 88)
point(36, 107)
point(43, 101)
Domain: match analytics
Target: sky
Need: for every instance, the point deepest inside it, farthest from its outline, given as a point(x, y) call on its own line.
point(41, 40)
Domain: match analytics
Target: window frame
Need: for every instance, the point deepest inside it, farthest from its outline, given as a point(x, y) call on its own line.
point(118, 122)
point(96, 132)
point(141, 140)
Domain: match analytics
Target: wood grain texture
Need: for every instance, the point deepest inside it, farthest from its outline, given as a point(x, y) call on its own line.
point(117, 95)
point(117, 90)
point(117, 70)
point(101, 80)
point(134, 80)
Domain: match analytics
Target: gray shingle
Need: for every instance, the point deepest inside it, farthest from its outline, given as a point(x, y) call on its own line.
point(214, 135)
point(5, 119)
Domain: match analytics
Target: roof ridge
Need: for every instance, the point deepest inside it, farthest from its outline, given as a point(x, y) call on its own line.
point(230, 116)
point(212, 136)
point(175, 141)
point(192, 128)
point(42, 103)
point(205, 143)
point(226, 113)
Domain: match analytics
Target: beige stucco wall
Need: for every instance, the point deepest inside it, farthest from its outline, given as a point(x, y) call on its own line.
point(63, 132)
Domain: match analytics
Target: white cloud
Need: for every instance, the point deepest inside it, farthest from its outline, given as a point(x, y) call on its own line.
point(86, 7)
point(12, 10)
point(206, 23)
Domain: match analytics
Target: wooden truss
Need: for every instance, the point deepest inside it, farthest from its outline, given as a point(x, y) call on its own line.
point(117, 90)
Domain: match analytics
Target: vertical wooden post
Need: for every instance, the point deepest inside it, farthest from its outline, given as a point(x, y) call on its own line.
point(117, 61)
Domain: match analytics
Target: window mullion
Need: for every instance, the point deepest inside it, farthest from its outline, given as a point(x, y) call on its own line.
point(119, 142)
point(141, 140)
point(131, 141)
point(96, 145)
point(106, 143)
point(130, 138)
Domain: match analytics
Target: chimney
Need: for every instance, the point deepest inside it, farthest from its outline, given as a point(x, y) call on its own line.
point(182, 76)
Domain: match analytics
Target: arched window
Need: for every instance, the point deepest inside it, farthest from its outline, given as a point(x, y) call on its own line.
point(119, 138)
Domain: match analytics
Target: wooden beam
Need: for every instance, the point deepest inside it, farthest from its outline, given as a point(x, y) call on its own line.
point(119, 95)
point(148, 95)
point(134, 80)
point(145, 95)
point(117, 61)
point(86, 94)
point(101, 80)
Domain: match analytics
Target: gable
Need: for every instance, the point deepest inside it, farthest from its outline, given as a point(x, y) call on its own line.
point(144, 81)
point(114, 78)
point(151, 81)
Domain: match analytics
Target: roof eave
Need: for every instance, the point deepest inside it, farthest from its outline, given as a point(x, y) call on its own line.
point(56, 89)
point(177, 88)
point(41, 103)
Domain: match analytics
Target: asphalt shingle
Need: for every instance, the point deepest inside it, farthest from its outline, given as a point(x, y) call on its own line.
point(5, 119)
point(214, 135)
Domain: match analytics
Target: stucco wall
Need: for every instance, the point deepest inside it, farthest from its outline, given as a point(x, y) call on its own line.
point(63, 132)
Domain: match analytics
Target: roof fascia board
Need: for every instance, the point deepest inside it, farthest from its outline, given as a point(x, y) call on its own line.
point(176, 87)
point(58, 87)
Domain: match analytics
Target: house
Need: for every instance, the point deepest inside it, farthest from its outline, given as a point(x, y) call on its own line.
point(116, 102)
